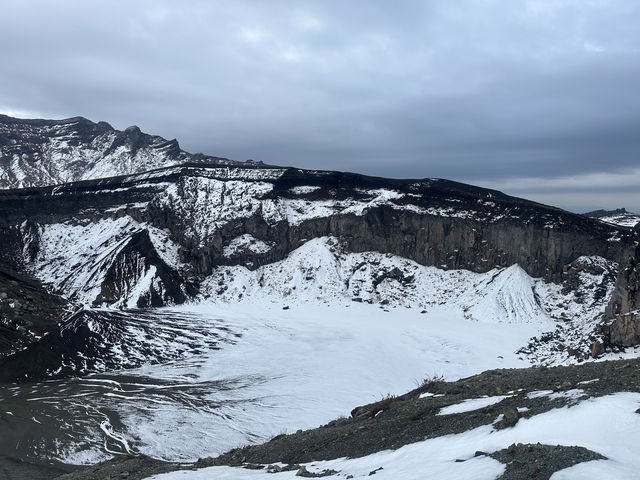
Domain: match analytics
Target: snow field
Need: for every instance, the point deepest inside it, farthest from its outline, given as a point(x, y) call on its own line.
point(303, 367)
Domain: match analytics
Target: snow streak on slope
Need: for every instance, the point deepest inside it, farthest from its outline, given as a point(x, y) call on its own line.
point(577, 305)
point(626, 219)
point(630, 220)
point(244, 243)
point(205, 204)
point(74, 258)
point(509, 295)
point(50, 152)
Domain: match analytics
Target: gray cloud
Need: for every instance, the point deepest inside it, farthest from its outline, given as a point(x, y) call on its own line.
point(485, 91)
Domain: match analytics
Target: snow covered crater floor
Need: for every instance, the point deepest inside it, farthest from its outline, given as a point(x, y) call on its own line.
point(318, 333)
point(286, 370)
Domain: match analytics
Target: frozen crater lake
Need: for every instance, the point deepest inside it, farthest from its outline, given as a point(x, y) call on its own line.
point(180, 384)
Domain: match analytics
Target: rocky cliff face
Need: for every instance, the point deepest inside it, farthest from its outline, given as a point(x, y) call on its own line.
point(623, 312)
point(172, 228)
point(27, 310)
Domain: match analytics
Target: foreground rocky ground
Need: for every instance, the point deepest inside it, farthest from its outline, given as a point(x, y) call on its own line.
point(396, 421)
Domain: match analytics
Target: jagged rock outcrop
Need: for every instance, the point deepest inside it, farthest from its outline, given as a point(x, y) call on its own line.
point(622, 328)
point(137, 275)
point(27, 310)
point(624, 331)
point(626, 297)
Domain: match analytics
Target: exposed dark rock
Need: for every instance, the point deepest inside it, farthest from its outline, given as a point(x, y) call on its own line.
point(597, 348)
point(101, 340)
point(122, 466)
point(623, 325)
point(303, 472)
point(626, 296)
point(16, 469)
point(624, 331)
point(540, 462)
point(509, 419)
point(131, 264)
point(27, 311)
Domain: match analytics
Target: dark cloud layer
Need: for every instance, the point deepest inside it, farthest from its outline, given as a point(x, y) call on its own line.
point(535, 97)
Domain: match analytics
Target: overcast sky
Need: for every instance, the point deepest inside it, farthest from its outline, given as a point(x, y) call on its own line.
point(538, 98)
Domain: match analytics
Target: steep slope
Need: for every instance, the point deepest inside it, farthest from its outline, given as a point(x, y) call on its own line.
point(27, 310)
point(49, 152)
point(200, 217)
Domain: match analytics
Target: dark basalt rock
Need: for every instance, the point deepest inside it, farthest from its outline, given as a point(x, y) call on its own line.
point(131, 263)
point(540, 462)
point(624, 330)
point(27, 311)
point(626, 296)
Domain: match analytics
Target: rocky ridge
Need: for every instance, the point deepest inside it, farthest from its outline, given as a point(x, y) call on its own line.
point(48, 152)
point(619, 216)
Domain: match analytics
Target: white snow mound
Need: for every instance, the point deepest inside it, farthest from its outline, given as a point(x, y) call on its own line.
point(506, 295)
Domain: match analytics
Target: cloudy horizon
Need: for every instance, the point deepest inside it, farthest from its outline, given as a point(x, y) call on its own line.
point(536, 98)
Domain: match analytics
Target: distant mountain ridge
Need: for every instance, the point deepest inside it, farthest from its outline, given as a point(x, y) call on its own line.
point(619, 216)
point(35, 152)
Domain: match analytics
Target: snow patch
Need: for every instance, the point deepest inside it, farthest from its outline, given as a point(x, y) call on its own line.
point(304, 189)
point(245, 243)
point(508, 294)
point(472, 404)
point(321, 272)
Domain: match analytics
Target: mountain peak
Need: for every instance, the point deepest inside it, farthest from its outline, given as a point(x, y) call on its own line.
point(39, 152)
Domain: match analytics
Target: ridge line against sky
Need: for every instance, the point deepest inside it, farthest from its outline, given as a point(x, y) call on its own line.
point(536, 98)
